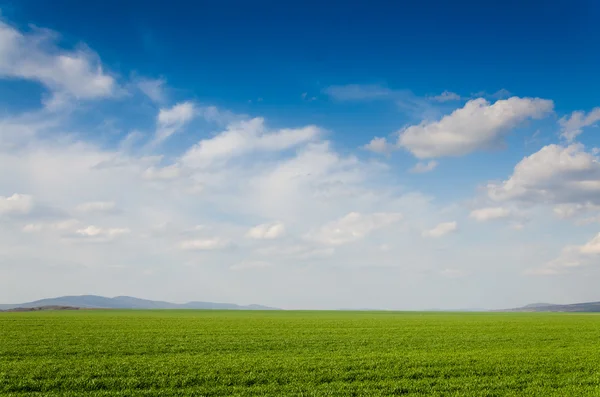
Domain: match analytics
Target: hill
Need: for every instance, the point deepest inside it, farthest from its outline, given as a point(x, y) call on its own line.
point(127, 302)
point(547, 307)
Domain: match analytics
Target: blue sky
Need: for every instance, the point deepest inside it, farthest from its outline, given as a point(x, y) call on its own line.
point(300, 154)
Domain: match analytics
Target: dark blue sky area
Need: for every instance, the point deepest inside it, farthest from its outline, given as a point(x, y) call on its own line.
point(242, 49)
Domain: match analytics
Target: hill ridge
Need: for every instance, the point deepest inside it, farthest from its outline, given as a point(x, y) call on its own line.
point(128, 302)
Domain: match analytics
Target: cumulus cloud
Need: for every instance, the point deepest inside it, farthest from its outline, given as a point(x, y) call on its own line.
point(244, 137)
point(34, 56)
point(490, 213)
point(572, 126)
point(476, 126)
point(555, 174)
point(16, 204)
point(441, 230)
point(424, 166)
point(352, 227)
point(97, 206)
point(378, 145)
point(266, 231)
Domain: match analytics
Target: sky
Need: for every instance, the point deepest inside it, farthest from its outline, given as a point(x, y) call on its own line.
point(406, 156)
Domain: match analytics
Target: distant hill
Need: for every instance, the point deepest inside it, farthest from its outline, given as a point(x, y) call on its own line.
point(548, 307)
point(536, 305)
point(126, 302)
point(40, 308)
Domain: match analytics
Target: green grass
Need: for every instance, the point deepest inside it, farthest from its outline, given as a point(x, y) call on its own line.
point(184, 353)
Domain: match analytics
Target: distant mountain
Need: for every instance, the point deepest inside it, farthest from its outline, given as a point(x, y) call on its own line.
point(548, 307)
point(40, 308)
point(127, 302)
point(536, 305)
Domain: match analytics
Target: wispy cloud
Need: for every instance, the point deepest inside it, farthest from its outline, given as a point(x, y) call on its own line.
point(34, 56)
point(446, 96)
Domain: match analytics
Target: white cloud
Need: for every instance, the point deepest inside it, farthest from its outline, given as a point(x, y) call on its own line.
point(179, 113)
point(447, 96)
point(16, 204)
point(571, 257)
point(214, 243)
point(476, 126)
point(555, 174)
point(441, 230)
point(573, 125)
point(244, 137)
point(34, 56)
point(95, 234)
point(267, 231)
point(490, 213)
point(170, 120)
point(378, 145)
point(94, 231)
point(153, 89)
point(97, 206)
point(352, 227)
point(424, 166)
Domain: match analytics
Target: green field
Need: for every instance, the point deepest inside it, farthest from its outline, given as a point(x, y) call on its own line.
point(184, 353)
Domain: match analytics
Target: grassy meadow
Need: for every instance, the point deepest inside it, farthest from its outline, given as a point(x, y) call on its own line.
point(243, 353)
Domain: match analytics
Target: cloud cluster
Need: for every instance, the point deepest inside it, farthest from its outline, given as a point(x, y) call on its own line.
point(476, 126)
point(555, 174)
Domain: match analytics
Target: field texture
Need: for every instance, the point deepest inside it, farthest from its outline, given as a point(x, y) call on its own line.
point(185, 353)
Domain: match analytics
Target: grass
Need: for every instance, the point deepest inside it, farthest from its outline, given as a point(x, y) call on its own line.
point(239, 353)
